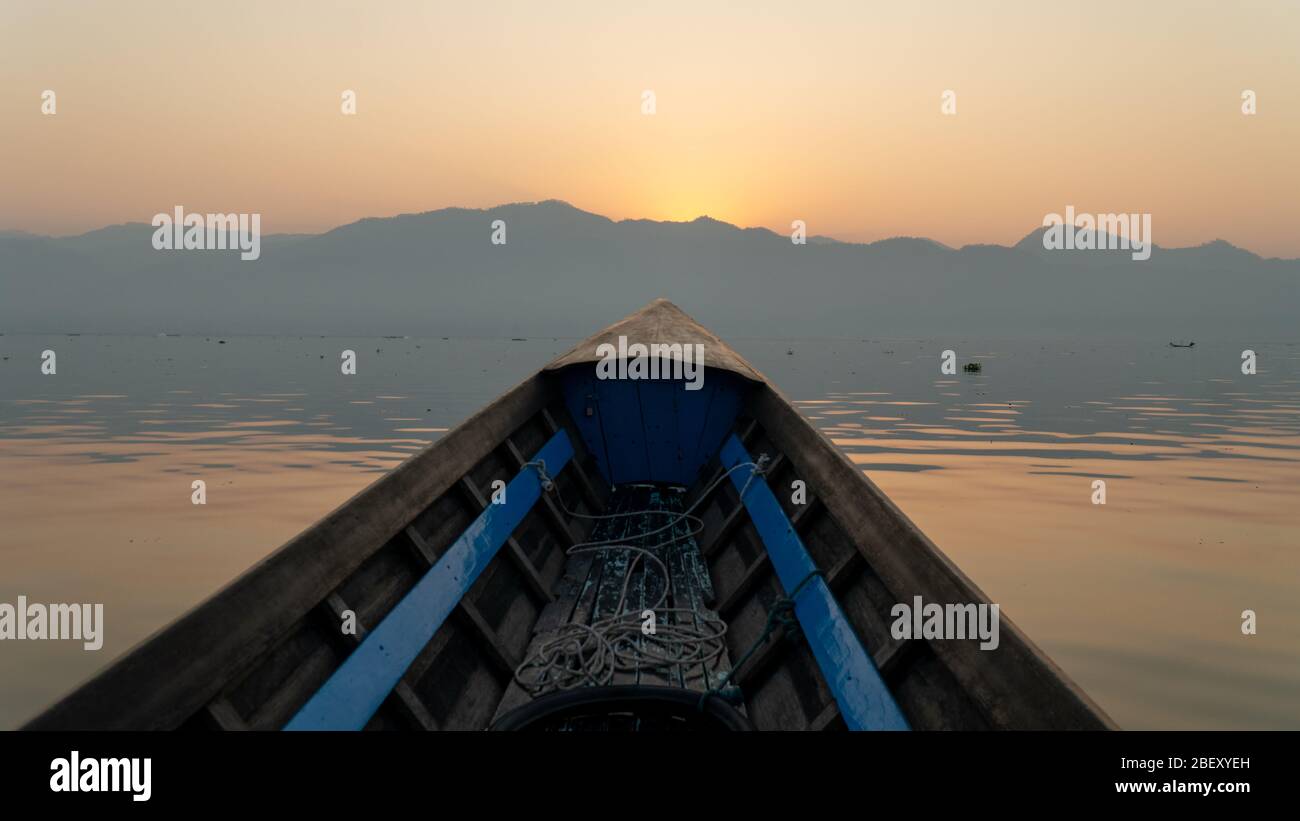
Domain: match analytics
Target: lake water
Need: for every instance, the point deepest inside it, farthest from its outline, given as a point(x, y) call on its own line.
point(1140, 600)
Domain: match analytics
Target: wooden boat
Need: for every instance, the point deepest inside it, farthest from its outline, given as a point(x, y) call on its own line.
point(1182, 344)
point(535, 569)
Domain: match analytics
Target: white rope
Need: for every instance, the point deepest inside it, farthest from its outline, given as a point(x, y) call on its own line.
point(590, 655)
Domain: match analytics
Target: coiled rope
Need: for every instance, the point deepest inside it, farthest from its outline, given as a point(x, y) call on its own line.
point(591, 655)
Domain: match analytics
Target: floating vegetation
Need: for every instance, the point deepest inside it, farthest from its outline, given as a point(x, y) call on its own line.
point(972, 367)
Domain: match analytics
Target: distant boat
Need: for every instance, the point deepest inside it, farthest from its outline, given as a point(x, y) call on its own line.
point(502, 577)
point(1182, 344)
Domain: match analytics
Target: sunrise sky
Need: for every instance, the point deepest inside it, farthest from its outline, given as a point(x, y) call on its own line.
point(766, 113)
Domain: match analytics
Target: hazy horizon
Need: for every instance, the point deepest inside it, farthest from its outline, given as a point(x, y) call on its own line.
point(687, 221)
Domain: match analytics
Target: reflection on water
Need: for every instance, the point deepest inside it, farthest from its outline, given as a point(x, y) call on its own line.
point(1139, 600)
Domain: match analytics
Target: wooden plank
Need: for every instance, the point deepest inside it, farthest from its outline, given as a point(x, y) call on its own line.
point(619, 570)
point(616, 561)
point(413, 707)
point(890, 658)
point(281, 703)
point(336, 607)
point(728, 526)
point(649, 582)
point(805, 513)
point(576, 572)
point(585, 600)
point(421, 546)
point(757, 570)
point(695, 563)
point(687, 595)
point(823, 719)
point(760, 567)
point(356, 690)
point(224, 715)
point(848, 564)
point(497, 651)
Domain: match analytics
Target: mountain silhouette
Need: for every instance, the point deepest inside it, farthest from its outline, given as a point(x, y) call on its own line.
point(564, 272)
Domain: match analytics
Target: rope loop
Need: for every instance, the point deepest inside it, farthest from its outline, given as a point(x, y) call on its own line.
point(758, 468)
point(540, 466)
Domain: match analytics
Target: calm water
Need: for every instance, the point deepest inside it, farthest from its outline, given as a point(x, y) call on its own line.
point(1140, 600)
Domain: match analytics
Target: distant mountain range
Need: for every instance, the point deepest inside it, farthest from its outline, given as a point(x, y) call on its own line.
point(567, 272)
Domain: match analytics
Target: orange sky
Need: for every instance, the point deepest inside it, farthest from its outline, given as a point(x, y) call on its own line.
point(766, 113)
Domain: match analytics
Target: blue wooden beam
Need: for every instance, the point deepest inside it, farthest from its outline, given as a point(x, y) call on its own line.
point(357, 689)
point(864, 700)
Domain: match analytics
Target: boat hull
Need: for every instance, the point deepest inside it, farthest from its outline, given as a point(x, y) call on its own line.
point(261, 651)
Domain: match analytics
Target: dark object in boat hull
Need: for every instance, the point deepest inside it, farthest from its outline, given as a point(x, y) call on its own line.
point(628, 708)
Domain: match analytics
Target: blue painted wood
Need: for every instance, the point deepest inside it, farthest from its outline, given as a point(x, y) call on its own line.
point(652, 430)
point(863, 698)
point(717, 419)
point(579, 389)
point(357, 689)
point(662, 418)
point(623, 420)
